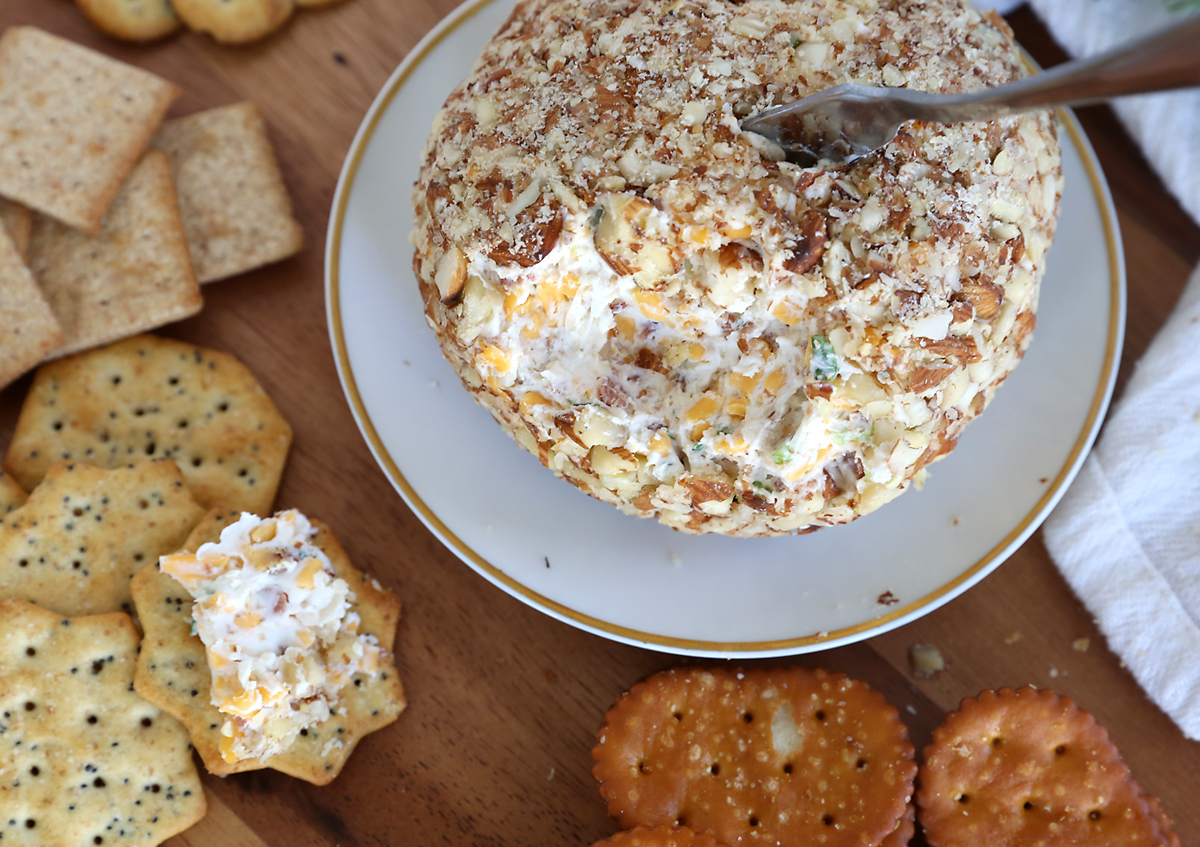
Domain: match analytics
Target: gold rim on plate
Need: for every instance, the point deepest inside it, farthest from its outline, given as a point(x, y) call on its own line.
point(930, 601)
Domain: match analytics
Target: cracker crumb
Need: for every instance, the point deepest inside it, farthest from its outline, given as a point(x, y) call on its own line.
point(1082, 644)
point(926, 660)
point(1012, 638)
point(1054, 673)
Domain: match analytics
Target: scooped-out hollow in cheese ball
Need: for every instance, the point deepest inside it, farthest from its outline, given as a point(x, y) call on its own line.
point(681, 323)
point(277, 627)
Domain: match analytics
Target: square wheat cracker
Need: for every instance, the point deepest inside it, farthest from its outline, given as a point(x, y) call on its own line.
point(28, 330)
point(236, 210)
point(18, 220)
point(73, 123)
point(84, 531)
point(153, 397)
point(85, 760)
point(136, 274)
point(173, 671)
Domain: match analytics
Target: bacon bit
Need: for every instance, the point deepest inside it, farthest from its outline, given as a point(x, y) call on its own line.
point(648, 360)
point(831, 489)
point(757, 503)
point(961, 350)
point(813, 390)
point(810, 245)
point(887, 598)
point(735, 255)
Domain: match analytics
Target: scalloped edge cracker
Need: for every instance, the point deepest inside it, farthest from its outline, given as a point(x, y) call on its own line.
point(1026, 767)
point(235, 21)
point(236, 210)
point(86, 761)
point(74, 544)
point(76, 123)
point(174, 674)
point(149, 396)
point(659, 836)
point(28, 329)
point(131, 20)
point(135, 274)
point(790, 755)
point(11, 494)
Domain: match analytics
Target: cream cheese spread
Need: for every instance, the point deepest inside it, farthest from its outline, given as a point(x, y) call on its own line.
point(279, 631)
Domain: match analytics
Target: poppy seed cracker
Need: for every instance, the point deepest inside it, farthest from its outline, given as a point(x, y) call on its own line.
point(149, 397)
point(11, 494)
point(173, 671)
point(73, 123)
point(84, 531)
point(134, 275)
point(28, 329)
point(84, 759)
point(236, 210)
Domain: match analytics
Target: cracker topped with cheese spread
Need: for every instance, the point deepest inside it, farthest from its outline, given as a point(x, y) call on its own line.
point(268, 645)
point(683, 324)
point(277, 629)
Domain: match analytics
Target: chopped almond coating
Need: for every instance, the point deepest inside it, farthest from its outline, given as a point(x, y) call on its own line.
point(277, 629)
point(594, 231)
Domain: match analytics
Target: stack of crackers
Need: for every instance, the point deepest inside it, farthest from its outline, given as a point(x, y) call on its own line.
point(111, 219)
point(795, 756)
point(142, 448)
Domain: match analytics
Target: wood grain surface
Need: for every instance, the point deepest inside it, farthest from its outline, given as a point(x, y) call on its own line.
point(504, 701)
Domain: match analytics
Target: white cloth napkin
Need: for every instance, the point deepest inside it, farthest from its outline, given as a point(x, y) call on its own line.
point(1127, 534)
point(1166, 126)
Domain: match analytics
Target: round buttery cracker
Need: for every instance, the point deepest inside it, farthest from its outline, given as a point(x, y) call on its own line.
point(659, 836)
point(131, 20)
point(1028, 767)
point(235, 21)
point(790, 756)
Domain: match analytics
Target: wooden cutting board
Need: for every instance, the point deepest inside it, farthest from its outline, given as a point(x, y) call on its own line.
point(504, 702)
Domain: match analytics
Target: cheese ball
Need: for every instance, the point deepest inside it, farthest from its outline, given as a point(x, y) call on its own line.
point(681, 323)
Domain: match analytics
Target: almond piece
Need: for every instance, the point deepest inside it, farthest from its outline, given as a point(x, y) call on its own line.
point(451, 274)
point(985, 296)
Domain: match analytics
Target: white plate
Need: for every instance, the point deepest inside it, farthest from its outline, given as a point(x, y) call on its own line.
point(634, 580)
